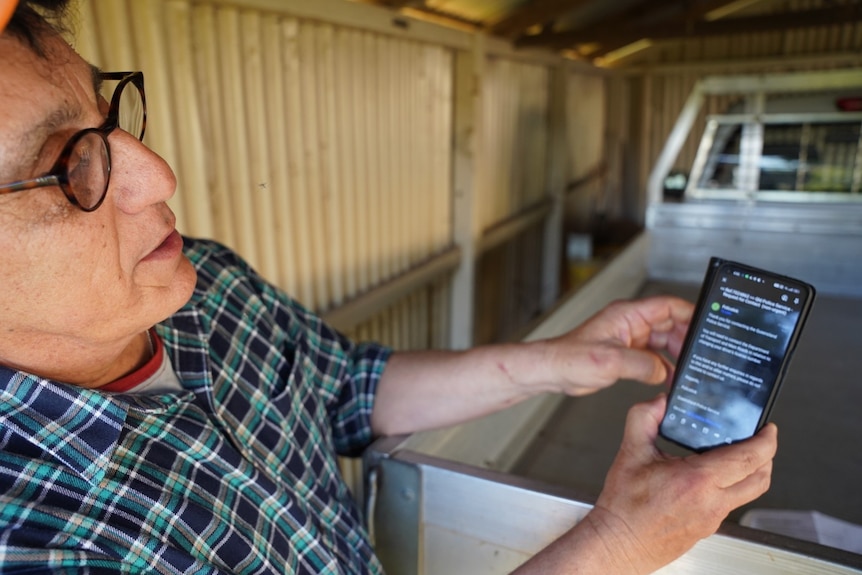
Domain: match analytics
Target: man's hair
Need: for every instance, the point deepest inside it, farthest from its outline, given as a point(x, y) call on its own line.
point(34, 18)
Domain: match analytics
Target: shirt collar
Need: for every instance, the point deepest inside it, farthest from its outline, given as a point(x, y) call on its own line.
point(75, 426)
point(80, 428)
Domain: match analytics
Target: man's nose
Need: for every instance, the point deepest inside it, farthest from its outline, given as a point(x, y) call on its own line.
point(139, 176)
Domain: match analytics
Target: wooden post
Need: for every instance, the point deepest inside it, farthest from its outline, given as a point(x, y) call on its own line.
point(469, 73)
point(556, 158)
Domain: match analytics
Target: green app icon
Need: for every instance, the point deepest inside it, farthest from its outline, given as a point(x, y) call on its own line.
point(716, 306)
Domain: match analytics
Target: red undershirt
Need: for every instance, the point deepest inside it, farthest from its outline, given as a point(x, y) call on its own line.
point(142, 374)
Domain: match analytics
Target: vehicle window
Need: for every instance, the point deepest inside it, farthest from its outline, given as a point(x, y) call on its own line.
point(809, 157)
point(722, 166)
point(814, 158)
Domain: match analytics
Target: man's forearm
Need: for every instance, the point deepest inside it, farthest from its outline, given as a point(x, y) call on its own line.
point(429, 389)
point(586, 549)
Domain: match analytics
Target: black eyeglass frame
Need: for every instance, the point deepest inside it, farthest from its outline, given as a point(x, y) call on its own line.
point(58, 175)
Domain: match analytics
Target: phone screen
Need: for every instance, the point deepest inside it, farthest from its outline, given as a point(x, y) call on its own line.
point(737, 348)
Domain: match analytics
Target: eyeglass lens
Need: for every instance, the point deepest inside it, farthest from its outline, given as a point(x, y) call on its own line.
point(131, 112)
point(88, 167)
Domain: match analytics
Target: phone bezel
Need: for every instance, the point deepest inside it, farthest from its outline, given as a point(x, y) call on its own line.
point(712, 272)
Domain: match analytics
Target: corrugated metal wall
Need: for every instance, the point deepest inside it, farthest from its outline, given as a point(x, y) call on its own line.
point(515, 124)
point(321, 153)
point(586, 117)
point(513, 166)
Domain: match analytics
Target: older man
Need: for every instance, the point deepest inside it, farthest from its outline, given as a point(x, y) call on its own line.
point(164, 409)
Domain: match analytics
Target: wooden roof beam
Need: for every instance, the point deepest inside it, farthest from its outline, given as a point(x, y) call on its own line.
point(634, 16)
point(615, 33)
point(626, 19)
point(441, 17)
point(398, 4)
point(420, 10)
point(537, 12)
point(631, 26)
point(748, 25)
point(676, 11)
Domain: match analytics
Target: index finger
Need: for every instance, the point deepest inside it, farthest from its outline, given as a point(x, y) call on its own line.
point(660, 322)
point(670, 310)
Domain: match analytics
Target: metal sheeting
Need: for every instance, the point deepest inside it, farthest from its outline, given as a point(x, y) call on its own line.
point(588, 122)
point(320, 152)
point(513, 158)
point(512, 165)
point(586, 111)
point(411, 321)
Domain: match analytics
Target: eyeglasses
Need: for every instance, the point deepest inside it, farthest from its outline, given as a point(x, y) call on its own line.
point(83, 169)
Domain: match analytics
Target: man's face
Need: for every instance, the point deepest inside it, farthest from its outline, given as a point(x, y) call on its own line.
point(72, 281)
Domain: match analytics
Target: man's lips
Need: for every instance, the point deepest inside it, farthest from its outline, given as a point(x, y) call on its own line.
point(170, 248)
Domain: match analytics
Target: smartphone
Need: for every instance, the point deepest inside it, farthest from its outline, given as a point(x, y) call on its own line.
point(745, 327)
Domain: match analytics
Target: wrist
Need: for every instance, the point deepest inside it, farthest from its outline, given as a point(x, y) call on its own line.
point(528, 367)
point(613, 544)
point(592, 547)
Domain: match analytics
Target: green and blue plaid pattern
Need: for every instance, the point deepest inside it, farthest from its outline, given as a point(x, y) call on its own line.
point(238, 474)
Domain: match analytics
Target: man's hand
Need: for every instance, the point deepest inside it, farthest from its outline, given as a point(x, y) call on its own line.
point(428, 389)
point(654, 507)
point(657, 507)
point(623, 341)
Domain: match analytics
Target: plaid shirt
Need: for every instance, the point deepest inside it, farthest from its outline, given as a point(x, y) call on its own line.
point(236, 475)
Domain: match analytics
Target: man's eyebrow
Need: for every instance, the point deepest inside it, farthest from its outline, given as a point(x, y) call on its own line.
point(26, 155)
point(62, 116)
point(53, 122)
point(26, 152)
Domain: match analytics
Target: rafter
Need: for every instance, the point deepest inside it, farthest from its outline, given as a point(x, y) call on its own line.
point(537, 12)
point(397, 4)
point(419, 9)
point(446, 18)
point(616, 33)
point(677, 13)
point(747, 25)
point(632, 23)
point(686, 15)
point(631, 16)
point(637, 13)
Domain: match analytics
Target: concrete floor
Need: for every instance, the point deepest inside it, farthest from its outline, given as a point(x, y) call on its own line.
point(819, 462)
